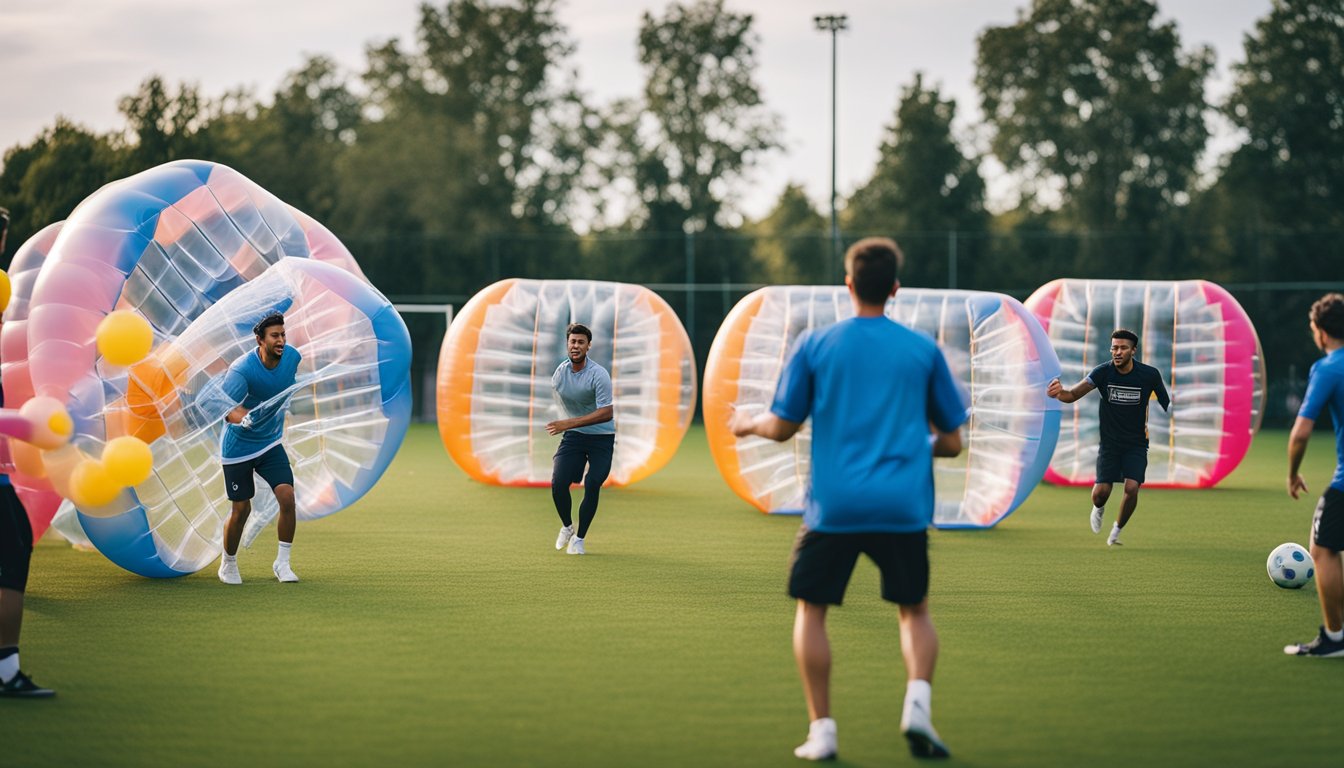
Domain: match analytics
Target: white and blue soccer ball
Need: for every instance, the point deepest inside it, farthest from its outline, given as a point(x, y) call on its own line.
point(1290, 566)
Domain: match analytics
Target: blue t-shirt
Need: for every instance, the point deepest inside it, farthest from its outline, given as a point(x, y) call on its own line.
point(250, 383)
point(1325, 389)
point(579, 393)
point(871, 386)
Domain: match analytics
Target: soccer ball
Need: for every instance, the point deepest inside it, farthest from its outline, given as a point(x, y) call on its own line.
point(1290, 566)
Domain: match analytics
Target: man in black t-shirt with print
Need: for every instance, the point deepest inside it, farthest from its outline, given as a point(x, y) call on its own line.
point(1126, 385)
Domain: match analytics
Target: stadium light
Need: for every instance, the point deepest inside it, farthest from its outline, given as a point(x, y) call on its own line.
point(833, 23)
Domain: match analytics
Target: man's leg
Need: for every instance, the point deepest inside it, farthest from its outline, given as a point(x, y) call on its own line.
point(233, 534)
point(1100, 493)
point(818, 573)
point(566, 468)
point(11, 622)
point(285, 521)
point(1127, 507)
point(919, 642)
point(812, 651)
point(233, 530)
point(16, 552)
point(599, 467)
point(1329, 586)
point(1130, 503)
point(11, 617)
point(1327, 538)
point(284, 528)
point(919, 648)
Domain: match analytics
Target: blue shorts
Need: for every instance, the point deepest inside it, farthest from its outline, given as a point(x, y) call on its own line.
point(273, 466)
point(1118, 464)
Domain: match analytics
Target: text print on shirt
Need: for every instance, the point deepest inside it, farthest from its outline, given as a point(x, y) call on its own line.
point(1123, 395)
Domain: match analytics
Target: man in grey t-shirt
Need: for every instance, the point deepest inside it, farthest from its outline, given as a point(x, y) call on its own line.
point(583, 392)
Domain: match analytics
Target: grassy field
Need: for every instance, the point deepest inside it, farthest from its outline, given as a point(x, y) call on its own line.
point(435, 625)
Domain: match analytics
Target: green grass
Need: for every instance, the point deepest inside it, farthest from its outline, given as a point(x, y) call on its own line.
point(436, 626)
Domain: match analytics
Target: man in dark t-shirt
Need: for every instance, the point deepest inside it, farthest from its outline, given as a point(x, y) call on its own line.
point(1126, 386)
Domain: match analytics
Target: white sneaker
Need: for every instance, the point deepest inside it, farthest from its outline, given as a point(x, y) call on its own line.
point(1114, 539)
point(566, 533)
point(820, 744)
point(283, 572)
point(575, 546)
point(228, 572)
point(1097, 512)
point(917, 726)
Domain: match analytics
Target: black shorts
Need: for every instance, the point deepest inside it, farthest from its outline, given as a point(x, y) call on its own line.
point(1118, 464)
point(1327, 525)
point(578, 449)
point(822, 563)
point(16, 541)
point(273, 466)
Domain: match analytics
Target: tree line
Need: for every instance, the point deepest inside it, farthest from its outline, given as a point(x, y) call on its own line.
point(470, 152)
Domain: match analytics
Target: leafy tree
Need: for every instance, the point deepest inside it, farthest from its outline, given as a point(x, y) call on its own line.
point(162, 126)
point(704, 126)
point(923, 189)
point(1095, 102)
point(42, 182)
point(481, 81)
point(1289, 100)
point(292, 146)
point(792, 242)
point(923, 182)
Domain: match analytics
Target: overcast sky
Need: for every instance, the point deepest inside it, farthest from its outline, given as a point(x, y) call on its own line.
point(78, 57)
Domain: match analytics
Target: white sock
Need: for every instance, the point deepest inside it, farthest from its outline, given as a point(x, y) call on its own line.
point(282, 555)
point(1096, 509)
point(230, 559)
point(919, 691)
point(1336, 636)
point(9, 667)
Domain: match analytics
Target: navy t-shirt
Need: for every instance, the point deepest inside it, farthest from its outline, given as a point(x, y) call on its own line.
point(1124, 402)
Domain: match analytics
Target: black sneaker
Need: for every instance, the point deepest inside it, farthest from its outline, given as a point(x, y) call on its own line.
point(1321, 647)
point(22, 686)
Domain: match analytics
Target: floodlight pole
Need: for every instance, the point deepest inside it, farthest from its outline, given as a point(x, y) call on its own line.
point(833, 23)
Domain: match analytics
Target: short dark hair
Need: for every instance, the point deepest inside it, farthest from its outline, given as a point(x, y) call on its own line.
point(271, 318)
point(873, 264)
point(1127, 335)
point(1328, 315)
point(579, 328)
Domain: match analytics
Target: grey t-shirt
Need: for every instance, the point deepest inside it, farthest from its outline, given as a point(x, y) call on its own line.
point(579, 393)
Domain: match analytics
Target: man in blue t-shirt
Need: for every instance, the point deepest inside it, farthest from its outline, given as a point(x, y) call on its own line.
point(1126, 386)
point(1325, 391)
point(583, 394)
point(261, 383)
point(883, 403)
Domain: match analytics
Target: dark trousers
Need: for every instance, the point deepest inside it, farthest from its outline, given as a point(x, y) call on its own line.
point(576, 450)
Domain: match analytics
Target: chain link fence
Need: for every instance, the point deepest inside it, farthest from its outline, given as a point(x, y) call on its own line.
point(1274, 275)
